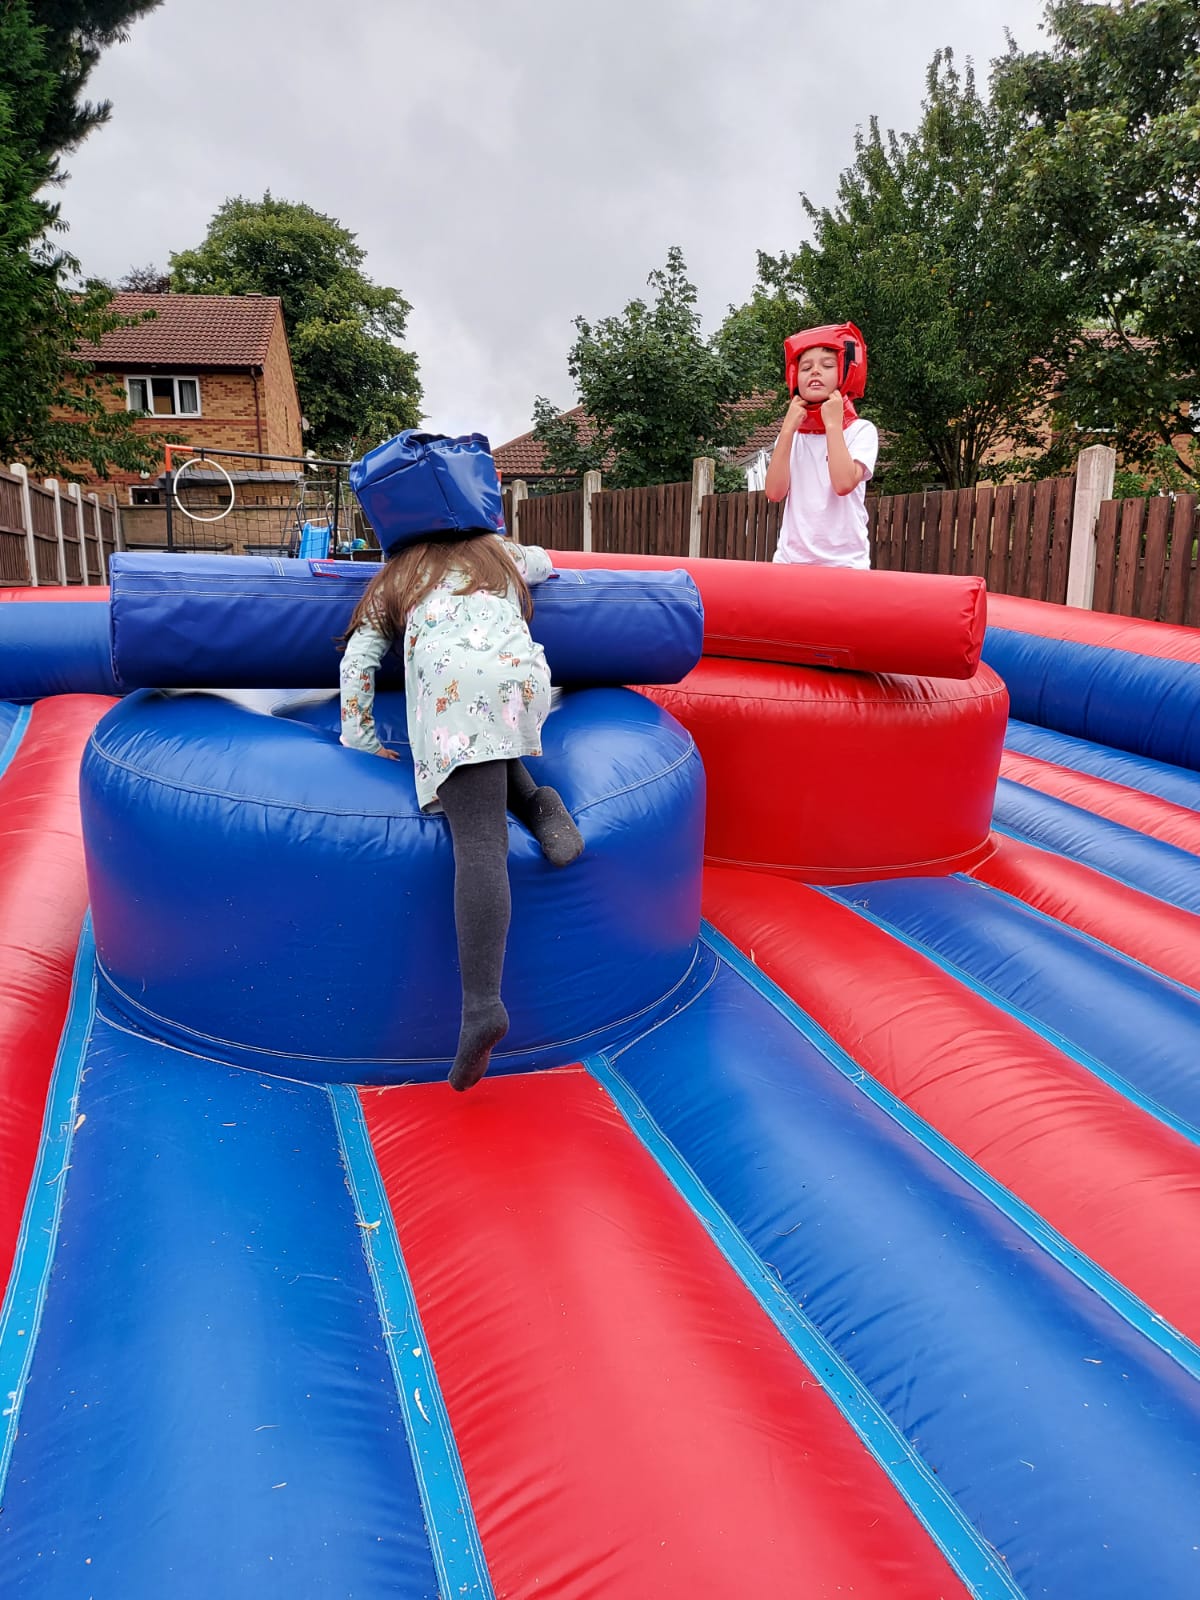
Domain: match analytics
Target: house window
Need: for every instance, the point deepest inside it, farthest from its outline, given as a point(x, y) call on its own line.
point(164, 397)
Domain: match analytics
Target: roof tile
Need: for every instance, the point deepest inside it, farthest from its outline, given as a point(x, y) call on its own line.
point(200, 330)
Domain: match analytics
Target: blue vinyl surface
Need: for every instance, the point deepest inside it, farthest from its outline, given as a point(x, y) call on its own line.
point(1138, 703)
point(1070, 1440)
point(211, 1410)
point(254, 622)
point(1146, 1031)
point(1175, 784)
point(13, 722)
point(1145, 863)
point(55, 647)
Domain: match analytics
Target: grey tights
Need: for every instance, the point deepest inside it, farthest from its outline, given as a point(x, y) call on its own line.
point(476, 799)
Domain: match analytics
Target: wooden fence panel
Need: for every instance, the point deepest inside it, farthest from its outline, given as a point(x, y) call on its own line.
point(739, 527)
point(1152, 569)
point(1129, 553)
point(1019, 543)
point(14, 560)
point(1106, 555)
point(651, 521)
point(1037, 572)
point(1180, 576)
point(1060, 549)
point(996, 571)
point(555, 521)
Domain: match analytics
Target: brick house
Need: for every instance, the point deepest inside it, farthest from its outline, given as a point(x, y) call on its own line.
point(213, 369)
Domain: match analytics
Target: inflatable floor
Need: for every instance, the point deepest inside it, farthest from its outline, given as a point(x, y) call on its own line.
point(828, 1226)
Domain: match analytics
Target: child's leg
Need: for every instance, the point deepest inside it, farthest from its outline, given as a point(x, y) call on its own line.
point(544, 814)
point(473, 798)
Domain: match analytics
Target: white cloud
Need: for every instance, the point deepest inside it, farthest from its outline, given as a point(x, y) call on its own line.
point(507, 167)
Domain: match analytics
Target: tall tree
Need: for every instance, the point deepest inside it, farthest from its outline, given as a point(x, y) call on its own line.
point(1108, 172)
point(965, 317)
point(659, 392)
point(53, 414)
point(357, 384)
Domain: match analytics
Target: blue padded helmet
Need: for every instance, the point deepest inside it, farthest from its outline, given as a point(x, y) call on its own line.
point(428, 485)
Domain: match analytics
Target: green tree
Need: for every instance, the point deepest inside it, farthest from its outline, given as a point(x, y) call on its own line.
point(357, 385)
point(52, 404)
point(927, 250)
point(659, 393)
point(1108, 168)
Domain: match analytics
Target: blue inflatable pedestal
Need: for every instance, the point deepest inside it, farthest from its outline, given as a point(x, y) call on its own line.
point(265, 897)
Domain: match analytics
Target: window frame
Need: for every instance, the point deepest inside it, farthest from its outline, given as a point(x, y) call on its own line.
point(162, 377)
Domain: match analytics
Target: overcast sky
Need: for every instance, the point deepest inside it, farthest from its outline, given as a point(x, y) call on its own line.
point(508, 164)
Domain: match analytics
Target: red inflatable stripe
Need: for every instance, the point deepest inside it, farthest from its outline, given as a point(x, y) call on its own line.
point(910, 623)
point(1119, 1185)
point(1162, 936)
point(630, 1422)
point(43, 896)
point(1146, 812)
point(46, 592)
point(1049, 621)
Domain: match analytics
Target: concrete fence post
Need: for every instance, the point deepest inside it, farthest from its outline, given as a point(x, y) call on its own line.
point(703, 477)
point(1094, 473)
point(76, 498)
point(591, 486)
point(20, 473)
point(52, 485)
point(520, 491)
point(118, 525)
point(98, 530)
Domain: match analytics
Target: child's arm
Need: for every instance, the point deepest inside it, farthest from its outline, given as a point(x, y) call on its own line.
point(364, 651)
point(845, 473)
point(779, 471)
point(531, 561)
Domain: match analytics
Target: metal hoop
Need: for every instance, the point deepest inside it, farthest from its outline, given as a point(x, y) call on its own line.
point(205, 461)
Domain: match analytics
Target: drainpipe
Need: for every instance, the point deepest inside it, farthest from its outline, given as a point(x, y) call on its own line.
point(256, 373)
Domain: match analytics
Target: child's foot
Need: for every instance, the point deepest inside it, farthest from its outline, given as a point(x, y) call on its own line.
point(551, 825)
point(477, 1038)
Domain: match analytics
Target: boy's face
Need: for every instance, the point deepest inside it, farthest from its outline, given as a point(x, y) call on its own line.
point(817, 374)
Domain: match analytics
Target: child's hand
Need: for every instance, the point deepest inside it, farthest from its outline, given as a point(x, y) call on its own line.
point(833, 411)
point(388, 755)
point(796, 413)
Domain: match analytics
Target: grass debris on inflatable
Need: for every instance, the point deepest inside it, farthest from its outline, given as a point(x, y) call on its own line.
point(828, 1224)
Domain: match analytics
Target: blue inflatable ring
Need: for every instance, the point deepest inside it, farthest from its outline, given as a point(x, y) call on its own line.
point(265, 897)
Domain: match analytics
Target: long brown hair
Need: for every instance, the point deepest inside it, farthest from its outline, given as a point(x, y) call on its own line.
point(407, 577)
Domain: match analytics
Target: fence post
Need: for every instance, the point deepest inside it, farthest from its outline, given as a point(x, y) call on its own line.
point(76, 499)
point(21, 474)
point(98, 530)
point(1094, 472)
point(520, 491)
point(703, 476)
point(52, 485)
point(591, 486)
point(118, 526)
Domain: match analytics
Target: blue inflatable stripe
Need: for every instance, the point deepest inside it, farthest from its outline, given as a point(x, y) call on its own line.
point(204, 1203)
point(457, 1551)
point(21, 1313)
point(1175, 784)
point(1065, 1435)
point(1143, 704)
point(12, 731)
point(971, 1556)
point(1145, 1042)
point(1132, 858)
point(55, 647)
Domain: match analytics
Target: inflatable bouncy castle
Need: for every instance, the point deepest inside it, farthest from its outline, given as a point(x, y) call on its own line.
point(827, 1225)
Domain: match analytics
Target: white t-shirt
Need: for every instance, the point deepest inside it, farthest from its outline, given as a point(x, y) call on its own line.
point(820, 527)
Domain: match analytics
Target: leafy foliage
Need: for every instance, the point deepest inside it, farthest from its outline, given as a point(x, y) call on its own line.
point(659, 393)
point(357, 385)
point(1108, 169)
point(928, 250)
point(52, 404)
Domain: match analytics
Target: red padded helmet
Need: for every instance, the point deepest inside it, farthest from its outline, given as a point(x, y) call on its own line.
point(843, 337)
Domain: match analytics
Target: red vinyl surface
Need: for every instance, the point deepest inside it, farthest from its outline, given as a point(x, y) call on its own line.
point(1118, 1184)
point(1162, 639)
point(1161, 819)
point(55, 592)
point(43, 896)
point(631, 1424)
point(903, 622)
point(834, 776)
point(1162, 936)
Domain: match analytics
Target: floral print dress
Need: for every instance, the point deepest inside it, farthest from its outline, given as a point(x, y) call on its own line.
point(477, 686)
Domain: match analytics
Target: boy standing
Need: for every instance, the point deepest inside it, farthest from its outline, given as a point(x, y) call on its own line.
point(825, 452)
